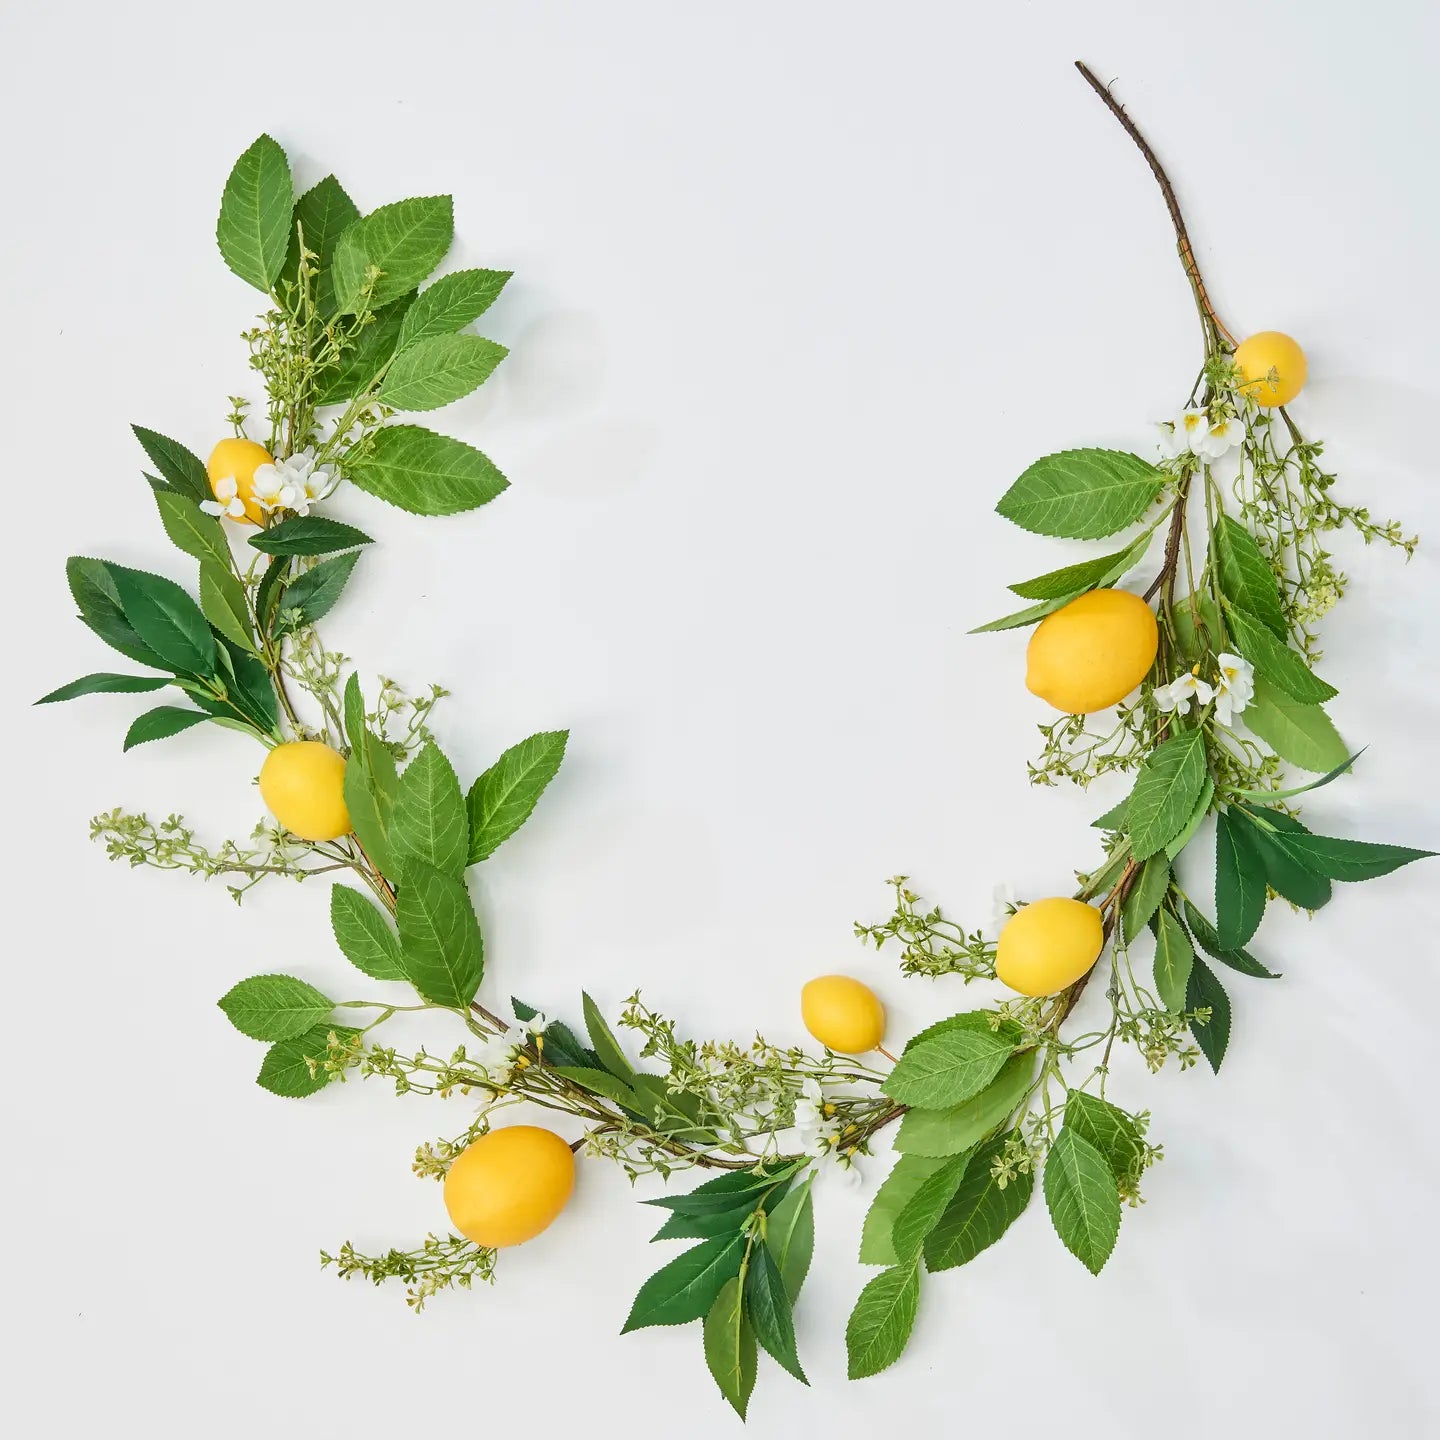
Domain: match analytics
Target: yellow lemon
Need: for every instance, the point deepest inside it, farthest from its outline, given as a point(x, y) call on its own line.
point(842, 1014)
point(509, 1185)
point(303, 786)
point(1092, 652)
point(1049, 945)
point(238, 460)
point(1256, 357)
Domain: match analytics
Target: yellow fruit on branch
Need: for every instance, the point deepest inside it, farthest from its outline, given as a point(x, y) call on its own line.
point(1049, 945)
point(1272, 368)
point(303, 786)
point(509, 1185)
point(238, 460)
point(1092, 652)
point(843, 1014)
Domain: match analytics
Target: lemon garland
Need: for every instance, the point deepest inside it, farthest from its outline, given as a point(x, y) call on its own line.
point(1207, 678)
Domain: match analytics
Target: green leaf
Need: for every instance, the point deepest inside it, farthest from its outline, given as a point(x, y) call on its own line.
point(222, 602)
point(253, 230)
point(1144, 896)
point(1302, 734)
point(268, 591)
point(406, 241)
point(1246, 578)
point(947, 1069)
point(982, 1210)
point(1111, 1131)
point(702, 1227)
point(452, 303)
point(286, 1069)
point(922, 1211)
point(1282, 871)
point(324, 212)
point(1197, 626)
point(190, 529)
point(725, 1191)
point(314, 593)
point(1094, 574)
point(502, 799)
point(105, 684)
point(1028, 616)
point(98, 601)
point(602, 1083)
point(1268, 796)
point(603, 1040)
point(309, 535)
point(877, 1241)
point(161, 723)
point(1082, 1198)
point(1205, 991)
point(1276, 662)
point(1174, 955)
point(1113, 818)
point(768, 1307)
point(429, 822)
point(1240, 961)
point(988, 1022)
point(687, 1287)
point(364, 935)
point(432, 372)
point(361, 362)
point(275, 1007)
point(881, 1322)
point(1348, 860)
point(184, 470)
point(166, 619)
point(370, 788)
point(790, 1234)
point(1186, 833)
point(730, 1346)
point(251, 691)
point(960, 1127)
point(440, 942)
point(425, 473)
point(1166, 789)
point(1082, 494)
point(1239, 882)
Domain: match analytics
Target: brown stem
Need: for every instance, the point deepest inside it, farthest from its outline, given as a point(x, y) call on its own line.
point(1208, 317)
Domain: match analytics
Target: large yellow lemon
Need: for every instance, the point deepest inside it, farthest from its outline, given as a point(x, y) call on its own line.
point(303, 786)
point(1092, 652)
point(509, 1185)
point(238, 460)
point(1256, 357)
point(842, 1014)
point(1049, 945)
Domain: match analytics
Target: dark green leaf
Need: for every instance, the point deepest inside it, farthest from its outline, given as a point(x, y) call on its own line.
point(253, 230)
point(1283, 667)
point(961, 1127)
point(161, 723)
point(686, 1288)
point(790, 1234)
point(1166, 789)
point(1238, 960)
point(105, 684)
point(881, 1322)
point(182, 468)
point(1285, 875)
point(251, 692)
point(725, 1191)
point(364, 935)
point(768, 1306)
point(704, 1227)
point(362, 361)
point(314, 593)
point(730, 1346)
point(1302, 734)
point(405, 241)
point(275, 1007)
point(1349, 860)
point(1239, 882)
point(294, 1068)
point(440, 943)
point(323, 213)
point(271, 586)
point(166, 619)
point(982, 1210)
point(1087, 575)
point(99, 604)
point(309, 535)
point(190, 529)
point(1111, 1131)
point(1174, 956)
point(504, 797)
point(1182, 837)
point(1246, 577)
point(1082, 494)
point(425, 473)
point(451, 303)
point(429, 822)
point(948, 1069)
point(1144, 897)
point(1205, 991)
point(1027, 616)
point(429, 373)
point(1081, 1195)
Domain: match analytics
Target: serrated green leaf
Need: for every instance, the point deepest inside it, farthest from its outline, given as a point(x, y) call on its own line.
point(704, 1227)
point(1144, 897)
point(1111, 1131)
point(1186, 833)
point(222, 602)
point(1347, 860)
point(982, 1210)
point(1028, 616)
point(1246, 578)
point(602, 1083)
point(1094, 574)
point(922, 1211)
point(371, 784)
point(309, 535)
point(987, 1022)
point(1282, 871)
point(1081, 1195)
point(725, 1191)
point(960, 1127)
point(165, 618)
point(687, 1287)
point(271, 586)
point(730, 1351)
point(440, 944)
point(1302, 734)
point(323, 214)
point(768, 1306)
point(105, 684)
point(504, 797)
point(1239, 882)
point(880, 1324)
point(877, 1243)
point(99, 604)
point(425, 473)
point(1275, 661)
point(355, 371)
point(1205, 991)
point(364, 935)
point(1197, 626)
point(1166, 789)
point(604, 1043)
point(790, 1234)
point(952, 1067)
point(432, 372)
point(1082, 494)
point(452, 303)
point(429, 821)
point(182, 468)
point(253, 230)
point(1113, 818)
point(160, 724)
point(1240, 961)
point(406, 241)
point(1174, 956)
point(287, 1067)
point(190, 529)
point(275, 1007)
point(314, 593)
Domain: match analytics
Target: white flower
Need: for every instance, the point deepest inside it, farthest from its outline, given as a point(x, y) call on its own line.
point(809, 1110)
point(1234, 687)
point(293, 484)
point(1220, 436)
point(1180, 691)
point(499, 1053)
point(1192, 426)
point(1172, 440)
point(823, 1141)
point(227, 499)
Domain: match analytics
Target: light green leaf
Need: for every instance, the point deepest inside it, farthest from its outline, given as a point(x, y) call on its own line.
point(1239, 881)
point(604, 1043)
point(1334, 774)
point(1302, 734)
point(1082, 494)
point(190, 529)
point(105, 684)
point(881, 1322)
point(1166, 789)
point(275, 1007)
point(370, 788)
point(1081, 1195)
point(1111, 1131)
point(922, 1211)
point(985, 1021)
point(166, 619)
point(1174, 956)
point(947, 1069)
point(730, 1346)
point(982, 1210)
point(406, 241)
point(1028, 616)
point(181, 467)
point(440, 942)
point(1094, 574)
point(253, 230)
point(222, 602)
point(1279, 664)
point(293, 1068)
point(603, 1083)
point(161, 723)
point(309, 535)
point(1186, 833)
point(1145, 895)
point(688, 1286)
point(1246, 578)
point(504, 797)
point(429, 822)
point(790, 1234)
point(432, 372)
point(452, 303)
point(424, 473)
point(768, 1306)
point(364, 935)
point(960, 1127)
point(1205, 991)
point(877, 1243)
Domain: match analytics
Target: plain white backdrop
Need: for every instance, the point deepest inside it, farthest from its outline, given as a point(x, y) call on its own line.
point(800, 288)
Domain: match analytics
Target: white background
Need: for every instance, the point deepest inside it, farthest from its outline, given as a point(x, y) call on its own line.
point(799, 289)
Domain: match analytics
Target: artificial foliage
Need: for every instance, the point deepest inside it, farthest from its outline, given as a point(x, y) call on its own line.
point(1224, 537)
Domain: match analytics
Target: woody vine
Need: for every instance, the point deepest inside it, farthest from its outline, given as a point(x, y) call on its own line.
point(1199, 683)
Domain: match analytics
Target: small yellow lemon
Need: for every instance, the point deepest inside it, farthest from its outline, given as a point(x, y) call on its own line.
point(842, 1014)
point(1092, 652)
point(238, 460)
point(1256, 357)
point(303, 786)
point(1049, 945)
point(509, 1185)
